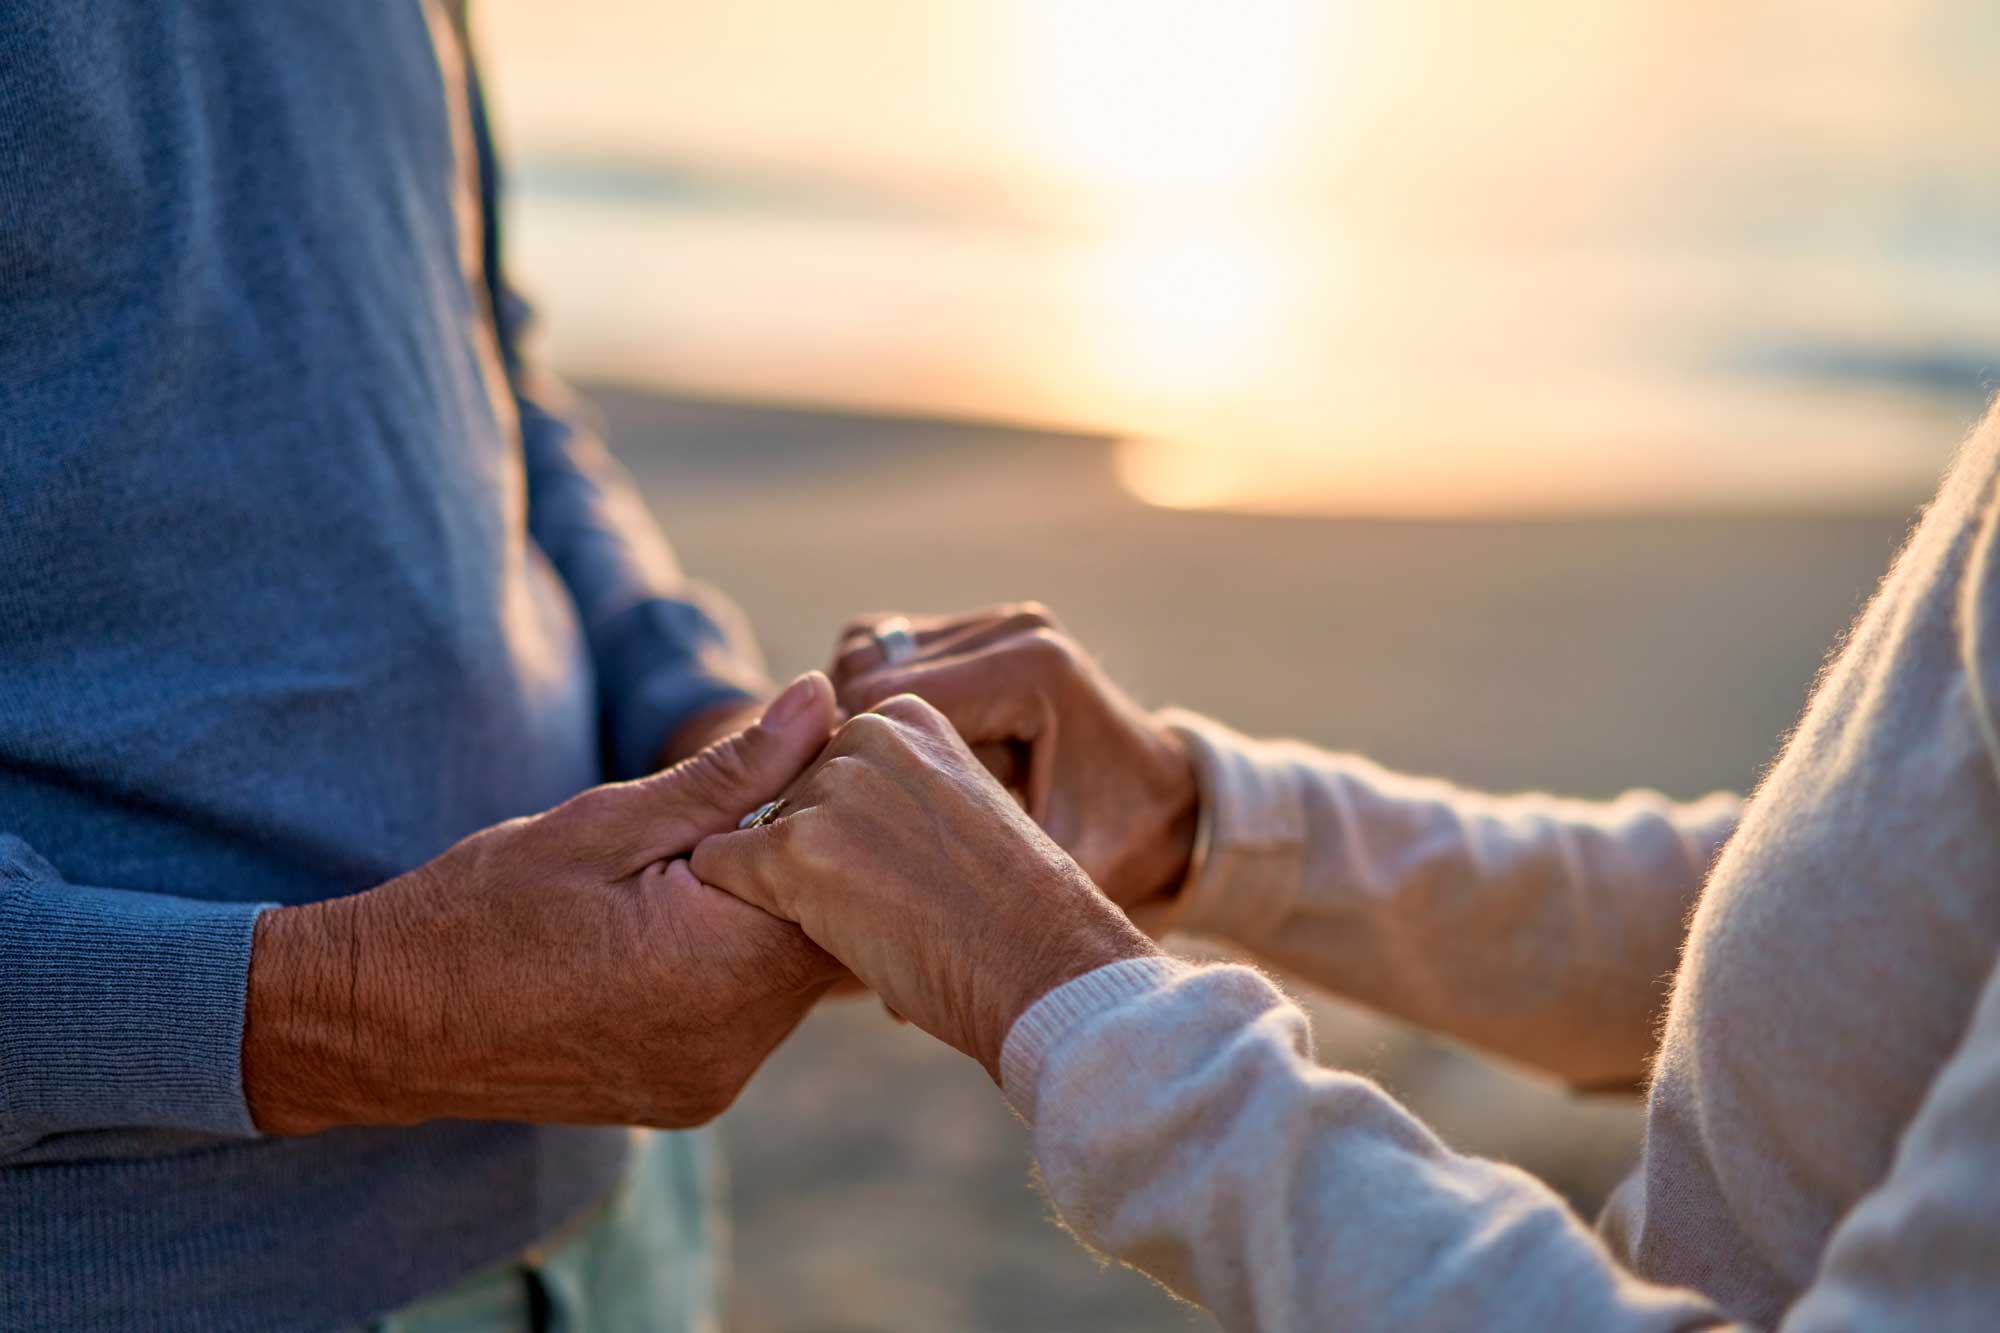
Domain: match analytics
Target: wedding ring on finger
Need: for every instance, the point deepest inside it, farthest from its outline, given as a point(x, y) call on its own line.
point(894, 639)
point(763, 814)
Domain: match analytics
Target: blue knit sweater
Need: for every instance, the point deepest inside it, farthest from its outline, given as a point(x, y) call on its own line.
point(303, 576)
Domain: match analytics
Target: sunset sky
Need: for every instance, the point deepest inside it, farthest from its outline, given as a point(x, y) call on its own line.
point(1428, 256)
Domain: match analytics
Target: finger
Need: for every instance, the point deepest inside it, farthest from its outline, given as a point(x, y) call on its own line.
point(864, 624)
point(971, 637)
point(859, 649)
point(858, 653)
point(992, 701)
point(923, 628)
point(941, 635)
point(1005, 759)
point(986, 696)
point(790, 959)
point(747, 864)
point(714, 789)
point(915, 714)
point(909, 728)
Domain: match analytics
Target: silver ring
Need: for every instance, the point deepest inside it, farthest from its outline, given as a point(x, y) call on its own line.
point(763, 814)
point(893, 637)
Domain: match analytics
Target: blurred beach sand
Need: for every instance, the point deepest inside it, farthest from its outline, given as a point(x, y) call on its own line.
point(877, 1180)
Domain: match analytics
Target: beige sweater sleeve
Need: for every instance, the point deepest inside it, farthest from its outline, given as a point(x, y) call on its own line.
point(1541, 929)
point(1181, 1127)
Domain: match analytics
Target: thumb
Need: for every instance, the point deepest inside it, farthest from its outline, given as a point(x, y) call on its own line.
point(709, 792)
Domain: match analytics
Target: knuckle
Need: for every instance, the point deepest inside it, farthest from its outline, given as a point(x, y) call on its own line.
point(815, 845)
point(1050, 651)
point(864, 733)
point(1030, 615)
point(837, 773)
point(593, 805)
point(819, 842)
point(574, 815)
point(915, 712)
point(830, 784)
point(596, 823)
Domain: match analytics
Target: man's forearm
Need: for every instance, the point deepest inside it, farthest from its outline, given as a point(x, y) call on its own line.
point(326, 1014)
point(399, 1005)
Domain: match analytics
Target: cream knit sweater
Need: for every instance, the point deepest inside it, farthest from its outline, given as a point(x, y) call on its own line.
point(1823, 1134)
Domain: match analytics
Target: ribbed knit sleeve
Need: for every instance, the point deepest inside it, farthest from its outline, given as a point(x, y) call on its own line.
point(117, 1008)
point(1182, 1127)
point(1532, 926)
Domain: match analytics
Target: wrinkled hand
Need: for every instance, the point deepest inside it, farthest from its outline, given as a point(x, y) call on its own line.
point(1109, 783)
point(548, 969)
point(904, 858)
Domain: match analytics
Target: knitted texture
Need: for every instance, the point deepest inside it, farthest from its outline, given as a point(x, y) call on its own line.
point(304, 575)
point(1823, 1127)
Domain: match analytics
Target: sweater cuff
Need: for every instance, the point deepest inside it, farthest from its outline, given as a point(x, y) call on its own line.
point(1046, 1021)
point(1248, 877)
point(119, 1009)
point(660, 663)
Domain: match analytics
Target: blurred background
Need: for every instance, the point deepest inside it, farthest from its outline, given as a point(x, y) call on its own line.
point(1523, 393)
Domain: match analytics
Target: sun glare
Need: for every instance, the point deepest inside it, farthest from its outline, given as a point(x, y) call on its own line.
point(1416, 256)
point(1178, 124)
point(1145, 98)
point(1177, 319)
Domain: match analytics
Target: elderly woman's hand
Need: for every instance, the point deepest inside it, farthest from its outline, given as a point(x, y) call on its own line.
point(1107, 781)
point(900, 855)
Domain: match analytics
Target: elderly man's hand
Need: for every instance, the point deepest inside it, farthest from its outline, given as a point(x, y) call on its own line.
point(547, 969)
point(903, 857)
point(1107, 781)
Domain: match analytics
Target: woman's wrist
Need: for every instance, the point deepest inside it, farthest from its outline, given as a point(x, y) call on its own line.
point(1162, 852)
point(1072, 930)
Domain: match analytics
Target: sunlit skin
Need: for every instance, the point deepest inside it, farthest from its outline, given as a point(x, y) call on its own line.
point(1107, 780)
point(542, 969)
point(903, 856)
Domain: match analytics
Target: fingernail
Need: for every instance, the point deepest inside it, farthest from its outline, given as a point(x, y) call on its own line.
point(788, 707)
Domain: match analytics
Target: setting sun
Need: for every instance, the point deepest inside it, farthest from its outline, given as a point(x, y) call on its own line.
point(1180, 101)
point(1333, 257)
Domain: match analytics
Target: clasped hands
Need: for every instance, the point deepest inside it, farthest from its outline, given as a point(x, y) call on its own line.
point(631, 957)
point(903, 853)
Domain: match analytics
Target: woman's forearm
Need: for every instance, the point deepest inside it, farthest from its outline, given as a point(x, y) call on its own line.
point(1182, 1128)
point(1541, 929)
